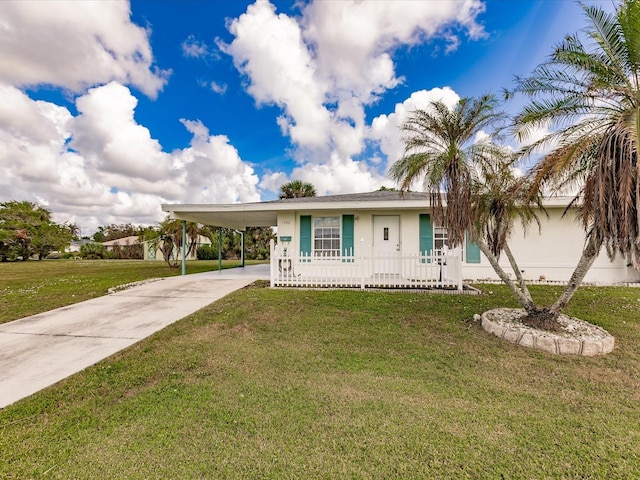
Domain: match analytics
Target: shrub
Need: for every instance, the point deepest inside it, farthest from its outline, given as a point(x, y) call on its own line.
point(207, 252)
point(93, 251)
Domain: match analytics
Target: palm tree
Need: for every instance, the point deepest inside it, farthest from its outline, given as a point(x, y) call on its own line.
point(440, 150)
point(297, 189)
point(168, 238)
point(591, 94)
point(482, 194)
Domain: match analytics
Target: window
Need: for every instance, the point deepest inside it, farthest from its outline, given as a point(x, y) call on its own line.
point(434, 238)
point(441, 241)
point(440, 238)
point(326, 236)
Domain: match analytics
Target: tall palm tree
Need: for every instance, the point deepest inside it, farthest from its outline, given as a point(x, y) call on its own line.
point(297, 189)
point(482, 194)
point(590, 94)
point(441, 151)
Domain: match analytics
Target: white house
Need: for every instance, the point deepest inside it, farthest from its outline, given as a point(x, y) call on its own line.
point(388, 239)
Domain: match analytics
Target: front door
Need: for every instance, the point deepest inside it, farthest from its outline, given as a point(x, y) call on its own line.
point(386, 244)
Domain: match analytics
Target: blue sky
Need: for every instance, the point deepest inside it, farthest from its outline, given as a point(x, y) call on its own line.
point(113, 108)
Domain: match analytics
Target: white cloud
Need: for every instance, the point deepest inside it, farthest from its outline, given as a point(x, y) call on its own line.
point(281, 71)
point(354, 39)
point(102, 167)
point(385, 129)
point(339, 176)
point(324, 68)
point(193, 48)
point(273, 180)
point(75, 45)
point(215, 173)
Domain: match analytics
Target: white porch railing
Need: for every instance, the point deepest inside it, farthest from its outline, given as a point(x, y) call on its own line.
point(368, 270)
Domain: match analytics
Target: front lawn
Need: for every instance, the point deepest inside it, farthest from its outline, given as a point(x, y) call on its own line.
point(288, 384)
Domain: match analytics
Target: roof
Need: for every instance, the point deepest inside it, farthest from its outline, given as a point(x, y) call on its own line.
point(130, 240)
point(265, 214)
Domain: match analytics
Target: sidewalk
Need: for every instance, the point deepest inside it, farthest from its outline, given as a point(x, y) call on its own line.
point(40, 350)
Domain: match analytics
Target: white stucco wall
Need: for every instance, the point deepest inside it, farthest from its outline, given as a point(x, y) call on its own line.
point(553, 253)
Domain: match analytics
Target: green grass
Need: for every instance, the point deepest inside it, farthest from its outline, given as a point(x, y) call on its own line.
point(27, 288)
point(288, 384)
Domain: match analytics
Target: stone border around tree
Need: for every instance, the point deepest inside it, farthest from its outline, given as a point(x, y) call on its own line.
point(577, 338)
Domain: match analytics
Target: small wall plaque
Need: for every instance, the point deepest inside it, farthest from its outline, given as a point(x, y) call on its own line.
point(285, 239)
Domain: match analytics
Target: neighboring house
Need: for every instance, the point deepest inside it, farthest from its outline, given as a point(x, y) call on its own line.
point(151, 253)
point(388, 239)
point(77, 244)
point(111, 244)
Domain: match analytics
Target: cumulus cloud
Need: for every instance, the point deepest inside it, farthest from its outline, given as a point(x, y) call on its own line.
point(78, 44)
point(102, 167)
point(281, 71)
point(385, 129)
point(354, 40)
point(214, 171)
point(339, 175)
point(324, 68)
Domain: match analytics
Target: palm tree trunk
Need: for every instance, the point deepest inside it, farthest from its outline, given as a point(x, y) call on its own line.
point(516, 270)
point(589, 254)
point(525, 300)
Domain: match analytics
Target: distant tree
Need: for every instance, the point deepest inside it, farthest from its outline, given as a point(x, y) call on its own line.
point(93, 251)
point(386, 189)
point(26, 229)
point(257, 242)
point(106, 233)
point(297, 189)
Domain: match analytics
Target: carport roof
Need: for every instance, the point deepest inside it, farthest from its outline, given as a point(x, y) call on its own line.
point(239, 216)
point(265, 214)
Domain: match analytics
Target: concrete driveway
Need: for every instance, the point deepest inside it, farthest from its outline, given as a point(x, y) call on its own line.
point(40, 350)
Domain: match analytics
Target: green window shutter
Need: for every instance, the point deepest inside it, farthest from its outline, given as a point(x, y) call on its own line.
point(472, 251)
point(347, 235)
point(305, 236)
point(426, 235)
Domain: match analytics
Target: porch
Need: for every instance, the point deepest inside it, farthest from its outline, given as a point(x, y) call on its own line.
point(369, 270)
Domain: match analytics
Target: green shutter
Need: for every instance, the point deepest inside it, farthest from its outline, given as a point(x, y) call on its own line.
point(305, 235)
point(472, 251)
point(426, 235)
point(347, 235)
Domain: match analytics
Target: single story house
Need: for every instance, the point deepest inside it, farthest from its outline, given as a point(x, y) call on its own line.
point(388, 239)
point(121, 242)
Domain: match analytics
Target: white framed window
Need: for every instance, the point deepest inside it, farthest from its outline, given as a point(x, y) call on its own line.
point(326, 237)
point(440, 238)
point(441, 241)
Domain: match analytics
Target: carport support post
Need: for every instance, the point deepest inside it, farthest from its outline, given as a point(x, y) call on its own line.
point(184, 247)
point(242, 249)
point(219, 248)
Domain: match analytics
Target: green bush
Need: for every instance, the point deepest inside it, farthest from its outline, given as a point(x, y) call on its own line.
point(94, 251)
point(207, 252)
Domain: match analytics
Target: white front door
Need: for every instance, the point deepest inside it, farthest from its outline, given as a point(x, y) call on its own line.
point(386, 244)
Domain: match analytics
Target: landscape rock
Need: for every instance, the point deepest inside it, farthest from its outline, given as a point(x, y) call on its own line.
point(577, 337)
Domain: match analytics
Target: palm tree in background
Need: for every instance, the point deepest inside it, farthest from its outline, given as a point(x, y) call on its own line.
point(296, 189)
point(590, 94)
